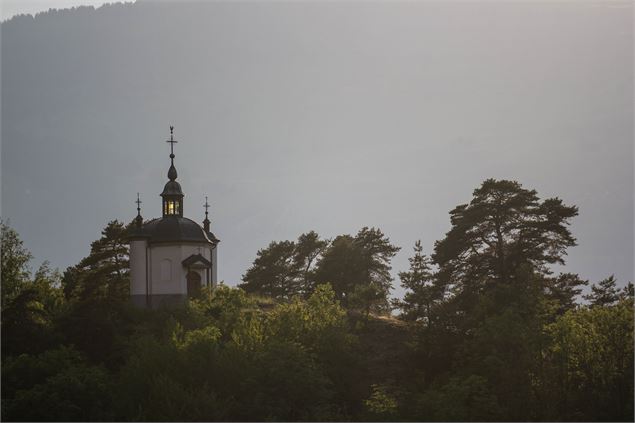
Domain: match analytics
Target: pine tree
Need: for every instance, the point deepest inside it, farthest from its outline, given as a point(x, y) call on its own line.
point(285, 269)
point(420, 292)
point(564, 290)
point(273, 272)
point(360, 260)
point(604, 292)
point(503, 229)
point(104, 273)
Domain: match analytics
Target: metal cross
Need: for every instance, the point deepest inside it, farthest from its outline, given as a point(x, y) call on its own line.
point(206, 206)
point(138, 203)
point(172, 141)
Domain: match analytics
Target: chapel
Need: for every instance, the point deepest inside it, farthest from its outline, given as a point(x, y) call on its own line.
point(171, 257)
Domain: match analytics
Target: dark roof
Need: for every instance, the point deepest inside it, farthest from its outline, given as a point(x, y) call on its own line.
point(173, 229)
point(194, 258)
point(172, 188)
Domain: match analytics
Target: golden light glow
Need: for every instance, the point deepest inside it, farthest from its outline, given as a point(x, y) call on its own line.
point(171, 207)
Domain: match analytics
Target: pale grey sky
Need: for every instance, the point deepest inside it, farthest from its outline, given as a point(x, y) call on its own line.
point(326, 116)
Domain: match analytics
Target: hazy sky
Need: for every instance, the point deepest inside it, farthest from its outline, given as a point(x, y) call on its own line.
point(324, 116)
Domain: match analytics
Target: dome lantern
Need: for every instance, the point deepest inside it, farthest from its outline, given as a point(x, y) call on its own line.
point(172, 194)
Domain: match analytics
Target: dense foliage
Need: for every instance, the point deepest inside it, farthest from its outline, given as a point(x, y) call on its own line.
point(357, 267)
point(487, 331)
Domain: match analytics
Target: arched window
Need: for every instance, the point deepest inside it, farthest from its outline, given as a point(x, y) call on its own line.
point(166, 270)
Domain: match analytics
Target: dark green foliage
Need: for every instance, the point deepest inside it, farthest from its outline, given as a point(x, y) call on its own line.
point(357, 266)
point(273, 272)
point(103, 274)
point(382, 404)
point(485, 350)
point(284, 269)
point(28, 304)
point(564, 290)
point(15, 258)
point(55, 386)
point(271, 366)
point(628, 291)
point(604, 292)
point(421, 293)
point(361, 260)
point(590, 363)
point(500, 230)
point(367, 297)
point(460, 399)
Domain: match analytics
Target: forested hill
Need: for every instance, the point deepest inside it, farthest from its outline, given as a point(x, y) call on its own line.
point(485, 332)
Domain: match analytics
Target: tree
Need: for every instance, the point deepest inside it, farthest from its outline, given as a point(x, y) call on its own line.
point(340, 266)
point(590, 362)
point(604, 292)
point(360, 260)
point(563, 290)
point(15, 263)
point(308, 249)
point(56, 385)
point(497, 291)
point(500, 230)
point(284, 269)
point(98, 290)
point(367, 298)
point(421, 293)
point(104, 273)
point(28, 305)
point(272, 272)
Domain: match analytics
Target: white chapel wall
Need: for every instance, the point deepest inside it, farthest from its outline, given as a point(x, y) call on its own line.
point(176, 283)
point(138, 267)
point(162, 283)
point(214, 266)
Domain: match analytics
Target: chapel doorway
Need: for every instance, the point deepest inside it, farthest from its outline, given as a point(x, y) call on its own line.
point(193, 284)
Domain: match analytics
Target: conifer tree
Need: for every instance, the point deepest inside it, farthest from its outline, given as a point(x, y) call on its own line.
point(502, 229)
point(104, 273)
point(360, 260)
point(273, 271)
point(285, 268)
point(604, 292)
point(420, 292)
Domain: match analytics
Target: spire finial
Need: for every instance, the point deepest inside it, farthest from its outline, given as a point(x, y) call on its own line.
point(172, 171)
point(138, 220)
point(172, 142)
point(138, 205)
point(206, 222)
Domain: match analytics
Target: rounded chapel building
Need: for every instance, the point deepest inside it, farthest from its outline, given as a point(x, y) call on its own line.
point(171, 257)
